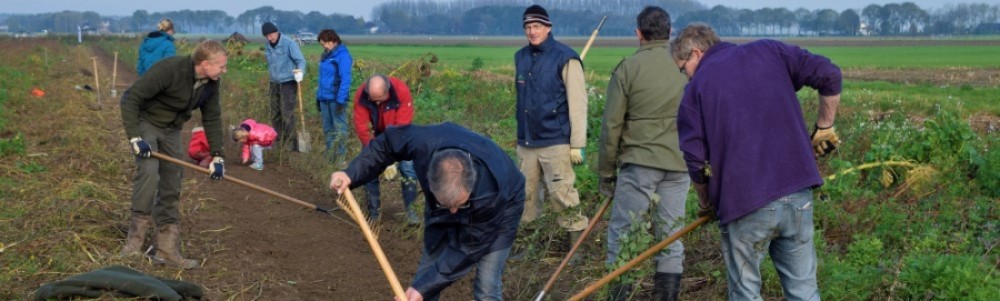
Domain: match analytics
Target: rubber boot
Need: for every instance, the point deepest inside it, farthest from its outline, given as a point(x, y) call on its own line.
point(168, 248)
point(573, 237)
point(410, 194)
point(137, 226)
point(619, 292)
point(666, 286)
point(372, 188)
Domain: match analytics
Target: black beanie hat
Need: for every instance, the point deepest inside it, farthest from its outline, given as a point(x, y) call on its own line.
point(268, 28)
point(536, 13)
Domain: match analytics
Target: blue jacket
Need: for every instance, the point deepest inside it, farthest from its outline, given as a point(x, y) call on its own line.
point(155, 47)
point(496, 203)
point(282, 58)
point(542, 107)
point(740, 113)
point(335, 75)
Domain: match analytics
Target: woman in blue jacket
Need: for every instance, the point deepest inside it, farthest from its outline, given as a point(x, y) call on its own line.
point(332, 93)
point(156, 46)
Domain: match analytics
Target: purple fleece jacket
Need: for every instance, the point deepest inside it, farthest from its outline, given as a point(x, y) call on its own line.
point(740, 114)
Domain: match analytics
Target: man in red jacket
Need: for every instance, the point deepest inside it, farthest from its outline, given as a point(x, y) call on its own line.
point(382, 102)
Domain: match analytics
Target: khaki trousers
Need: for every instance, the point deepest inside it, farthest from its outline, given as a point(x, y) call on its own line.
point(551, 166)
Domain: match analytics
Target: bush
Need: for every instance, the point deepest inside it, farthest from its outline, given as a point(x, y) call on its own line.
point(947, 277)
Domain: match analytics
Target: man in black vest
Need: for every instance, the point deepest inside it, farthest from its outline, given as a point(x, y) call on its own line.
point(551, 121)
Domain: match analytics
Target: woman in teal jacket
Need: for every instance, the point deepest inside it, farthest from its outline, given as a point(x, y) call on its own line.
point(156, 46)
point(332, 92)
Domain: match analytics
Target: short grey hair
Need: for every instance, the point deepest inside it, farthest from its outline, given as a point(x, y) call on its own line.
point(451, 172)
point(695, 36)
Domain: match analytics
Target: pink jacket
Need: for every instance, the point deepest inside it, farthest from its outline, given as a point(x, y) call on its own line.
point(260, 134)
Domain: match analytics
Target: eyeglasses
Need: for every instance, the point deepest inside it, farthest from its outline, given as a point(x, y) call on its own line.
point(683, 67)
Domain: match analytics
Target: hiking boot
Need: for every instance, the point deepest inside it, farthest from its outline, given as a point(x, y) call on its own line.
point(666, 286)
point(573, 237)
point(411, 218)
point(257, 165)
point(168, 252)
point(619, 292)
point(137, 227)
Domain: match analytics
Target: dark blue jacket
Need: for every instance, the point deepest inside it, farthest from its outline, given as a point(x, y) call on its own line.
point(542, 107)
point(335, 75)
point(496, 203)
point(741, 114)
point(155, 47)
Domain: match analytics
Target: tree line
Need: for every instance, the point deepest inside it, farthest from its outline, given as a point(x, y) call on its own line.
point(570, 17)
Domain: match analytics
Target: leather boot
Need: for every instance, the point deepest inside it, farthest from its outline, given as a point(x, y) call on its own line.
point(619, 292)
point(137, 226)
point(410, 194)
point(666, 286)
point(573, 237)
point(168, 248)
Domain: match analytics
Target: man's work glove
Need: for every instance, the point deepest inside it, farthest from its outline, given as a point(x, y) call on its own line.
point(705, 207)
point(298, 75)
point(824, 140)
point(576, 155)
point(140, 147)
point(607, 187)
point(390, 172)
point(217, 168)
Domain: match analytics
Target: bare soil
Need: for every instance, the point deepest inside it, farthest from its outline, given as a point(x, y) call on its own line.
point(976, 77)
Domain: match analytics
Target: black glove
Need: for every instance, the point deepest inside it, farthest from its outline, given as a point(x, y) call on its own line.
point(607, 187)
point(217, 168)
point(140, 147)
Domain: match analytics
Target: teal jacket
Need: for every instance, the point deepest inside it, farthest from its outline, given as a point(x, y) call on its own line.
point(155, 47)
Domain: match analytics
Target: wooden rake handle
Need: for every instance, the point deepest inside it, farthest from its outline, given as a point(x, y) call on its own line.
point(240, 182)
point(576, 245)
point(355, 211)
point(593, 36)
point(302, 114)
point(645, 255)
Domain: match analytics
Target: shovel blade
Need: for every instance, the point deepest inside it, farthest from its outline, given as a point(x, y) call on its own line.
point(303, 142)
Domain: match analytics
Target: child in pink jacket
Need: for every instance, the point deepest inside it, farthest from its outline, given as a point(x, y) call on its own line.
point(255, 137)
point(198, 148)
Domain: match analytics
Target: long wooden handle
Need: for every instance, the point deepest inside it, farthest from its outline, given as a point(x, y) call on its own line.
point(240, 182)
point(648, 253)
point(97, 84)
point(592, 37)
point(302, 116)
point(376, 248)
point(576, 245)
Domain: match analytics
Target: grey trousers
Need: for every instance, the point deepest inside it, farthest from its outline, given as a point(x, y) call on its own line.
point(643, 191)
point(156, 186)
point(283, 108)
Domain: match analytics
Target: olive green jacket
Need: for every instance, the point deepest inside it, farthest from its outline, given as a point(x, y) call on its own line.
point(165, 97)
point(640, 114)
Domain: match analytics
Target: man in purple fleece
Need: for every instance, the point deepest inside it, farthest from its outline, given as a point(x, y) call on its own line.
point(749, 153)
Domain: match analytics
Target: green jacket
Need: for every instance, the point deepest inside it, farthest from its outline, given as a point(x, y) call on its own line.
point(640, 114)
point(165, 97)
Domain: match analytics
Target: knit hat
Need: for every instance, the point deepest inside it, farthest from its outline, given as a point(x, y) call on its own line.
point(536, 13)
point(268, 28)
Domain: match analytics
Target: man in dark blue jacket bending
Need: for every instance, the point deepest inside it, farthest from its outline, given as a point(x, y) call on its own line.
point(474, 202)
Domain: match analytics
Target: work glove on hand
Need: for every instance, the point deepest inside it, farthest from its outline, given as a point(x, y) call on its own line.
point(705, 207)
point(576, 155)
point(298, 75)
point(824, 140)
point(390, 172)
point(607, 187)
point(217, 168)
point(140, 147)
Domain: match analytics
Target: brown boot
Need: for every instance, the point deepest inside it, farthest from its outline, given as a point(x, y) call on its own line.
point(137, 227)
point(168, 248)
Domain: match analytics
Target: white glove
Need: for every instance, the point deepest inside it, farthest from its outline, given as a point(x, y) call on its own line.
point(298, 75)
point(217, 169)
point(140, 147)
point(390, 172)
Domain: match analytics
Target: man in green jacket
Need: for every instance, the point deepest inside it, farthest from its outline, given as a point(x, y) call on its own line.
point(154, 109)
point(640, 153)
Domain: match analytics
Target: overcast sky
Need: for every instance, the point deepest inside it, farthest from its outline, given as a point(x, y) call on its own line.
point(363, 8)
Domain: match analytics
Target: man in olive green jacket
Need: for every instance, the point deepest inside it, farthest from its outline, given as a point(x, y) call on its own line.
point(153, 110)
point(639, 137)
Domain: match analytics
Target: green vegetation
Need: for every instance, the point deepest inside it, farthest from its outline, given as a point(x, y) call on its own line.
point(921, 57)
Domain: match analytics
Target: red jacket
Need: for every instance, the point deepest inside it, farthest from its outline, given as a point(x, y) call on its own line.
point(198, 148)
point(259, 134)
point(369, 117)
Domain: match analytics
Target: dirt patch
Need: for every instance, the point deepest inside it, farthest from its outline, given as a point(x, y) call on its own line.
point(984, 123)
point(955, 76)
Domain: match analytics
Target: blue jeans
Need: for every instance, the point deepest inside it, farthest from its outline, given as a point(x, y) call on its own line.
point(633, 197)
point(409, 186)
point(784, 229)
point(257, 153)
point(334, 129)
point(488, 284)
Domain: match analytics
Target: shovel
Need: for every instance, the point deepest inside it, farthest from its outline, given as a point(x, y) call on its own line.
point(303, 135)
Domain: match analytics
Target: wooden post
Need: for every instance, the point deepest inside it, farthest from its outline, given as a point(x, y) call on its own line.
point(97, 84)
point(114, 77)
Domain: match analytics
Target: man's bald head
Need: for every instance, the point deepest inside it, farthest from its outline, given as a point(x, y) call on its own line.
point(378, 88)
